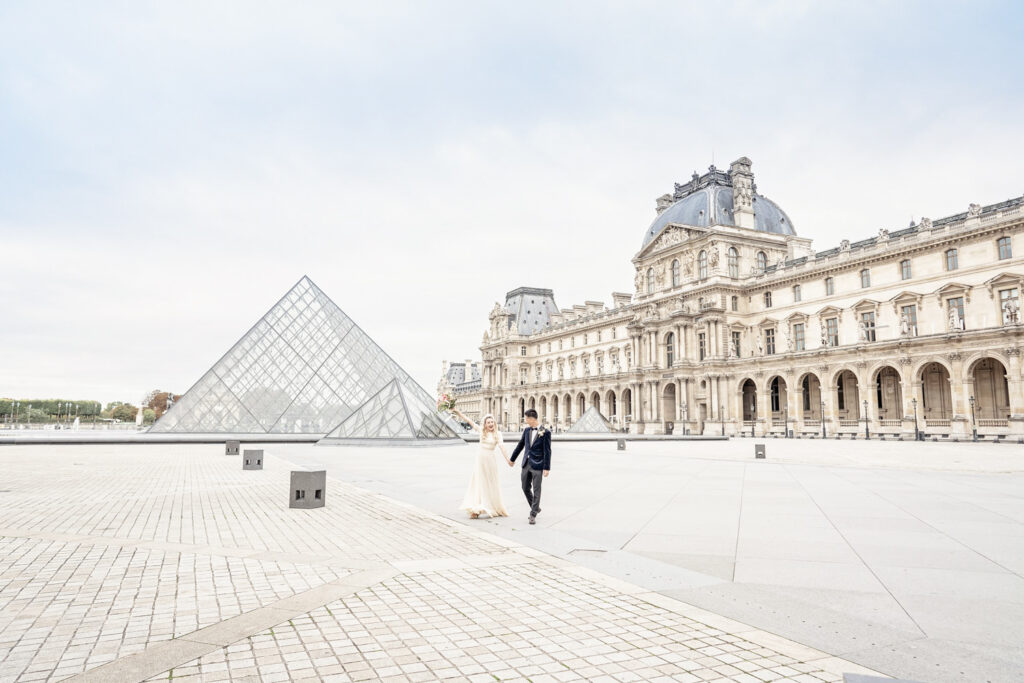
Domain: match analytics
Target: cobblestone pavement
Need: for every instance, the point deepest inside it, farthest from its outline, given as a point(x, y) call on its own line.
point(128, 563)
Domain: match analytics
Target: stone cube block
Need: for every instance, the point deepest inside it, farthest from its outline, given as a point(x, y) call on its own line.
point(252, 459)
point(232, 447)
point(621, 444)
point(759, 451)
point(308, 489)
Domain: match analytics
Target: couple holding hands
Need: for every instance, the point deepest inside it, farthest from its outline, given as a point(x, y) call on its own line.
point(484, 493)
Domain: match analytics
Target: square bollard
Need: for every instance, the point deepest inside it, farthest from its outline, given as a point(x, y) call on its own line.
point(231, 448)
point(759, 451)
point(308, 489)
point(622, 444)
point(252, 460)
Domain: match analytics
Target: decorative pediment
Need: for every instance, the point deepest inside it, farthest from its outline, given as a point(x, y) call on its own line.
point(866, 305)
point(671, 235)
point(797, 317)
point(768, 323)
point(906, 298)
point(830, 312)
point(952, 290)
point(1004, 281)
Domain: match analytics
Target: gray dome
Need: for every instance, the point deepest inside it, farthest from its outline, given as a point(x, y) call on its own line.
point(712, 205)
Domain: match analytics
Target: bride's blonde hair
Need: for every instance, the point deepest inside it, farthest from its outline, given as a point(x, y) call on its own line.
point(483, 425)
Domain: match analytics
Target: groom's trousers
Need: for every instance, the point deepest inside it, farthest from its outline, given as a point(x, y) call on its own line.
point(532, 480)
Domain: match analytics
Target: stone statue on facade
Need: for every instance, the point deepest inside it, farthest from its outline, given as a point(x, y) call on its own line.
point(973, 210)
point(904, 325)
point(638, 281)
point(788, 340)
point(1011, 312)
point(883, 235)
point(824, 337)
point(735, 346)
point(713, 257)
point(955, 323)
point(844, 245)
point(862, 331)
point(688, 263)
point(760, 346)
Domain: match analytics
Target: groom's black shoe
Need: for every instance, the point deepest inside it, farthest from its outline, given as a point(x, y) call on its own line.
point(533, 519)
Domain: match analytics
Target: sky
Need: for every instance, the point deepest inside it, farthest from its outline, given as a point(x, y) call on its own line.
point(168, 170)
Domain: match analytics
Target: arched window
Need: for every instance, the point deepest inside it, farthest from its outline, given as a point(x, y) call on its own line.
point(702, 265)
point(762, 261)
point(670, 349)
point(734, 262)
point(650, 280)
point(675, 273)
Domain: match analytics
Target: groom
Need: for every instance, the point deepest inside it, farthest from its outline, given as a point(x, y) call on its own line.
point(536, 441)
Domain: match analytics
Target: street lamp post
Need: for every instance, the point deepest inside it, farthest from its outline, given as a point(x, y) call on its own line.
point(821, 414)
point(29, 413)
point(974, 422)
point(16, 405)
point(917, 432)
point(867, 434)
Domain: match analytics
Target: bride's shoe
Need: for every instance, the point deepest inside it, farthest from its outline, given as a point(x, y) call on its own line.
point(475, 515)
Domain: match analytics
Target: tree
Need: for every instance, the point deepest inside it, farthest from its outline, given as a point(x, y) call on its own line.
point(125, 412)
point(156, 400)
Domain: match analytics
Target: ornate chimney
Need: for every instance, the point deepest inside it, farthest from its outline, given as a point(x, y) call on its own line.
point(742, 192)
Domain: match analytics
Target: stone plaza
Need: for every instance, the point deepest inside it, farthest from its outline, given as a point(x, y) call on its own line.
point(681, 561)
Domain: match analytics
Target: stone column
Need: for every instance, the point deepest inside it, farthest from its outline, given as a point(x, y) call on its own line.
point(795, 406)
point(764, 409)
point(961, 423)
point(907, 388)
point(1015, 385)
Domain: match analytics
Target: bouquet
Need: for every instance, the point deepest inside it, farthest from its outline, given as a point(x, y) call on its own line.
point(445, 402)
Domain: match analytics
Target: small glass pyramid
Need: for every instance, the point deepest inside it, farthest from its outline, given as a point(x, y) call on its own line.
point(303, 368)
point(394, 414)
point(590, 422)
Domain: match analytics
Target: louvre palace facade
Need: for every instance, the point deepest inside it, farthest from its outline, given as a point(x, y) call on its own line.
point(737, 326)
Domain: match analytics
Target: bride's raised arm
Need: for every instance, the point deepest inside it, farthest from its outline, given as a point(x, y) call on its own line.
point(472, 424)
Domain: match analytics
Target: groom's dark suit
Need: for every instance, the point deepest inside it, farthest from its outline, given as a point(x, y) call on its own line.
point(536, 461)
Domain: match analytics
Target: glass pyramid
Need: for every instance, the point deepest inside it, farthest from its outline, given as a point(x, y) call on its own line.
point(303, 368)
point(590, 422)
point(394, 414)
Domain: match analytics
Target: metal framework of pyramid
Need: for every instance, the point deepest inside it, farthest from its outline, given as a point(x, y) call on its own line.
point(590, 422)
point(394, 415)
point(302, 369)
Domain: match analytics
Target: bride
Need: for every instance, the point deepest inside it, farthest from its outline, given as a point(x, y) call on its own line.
point(484, 494)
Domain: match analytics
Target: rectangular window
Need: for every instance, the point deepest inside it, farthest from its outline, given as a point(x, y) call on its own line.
point(865, 278)
point(736, 343)
point(956, 303)
point(767, 299)
point(700, 346)
point(796, 292)
point(832, 331)
point(905, 269)
point(1009, 305)
point(910, 313)
point(549, 347)
point(522, 350)
point(599, 335)
point(830, 286)
point(559, 344)
point(735, 304)
point(951, 259)
point(798, 336)
point(1005, 249)
point(769, 342)
point(867, 320)
point(614, 332)
point(600, 365)
point(584, 338)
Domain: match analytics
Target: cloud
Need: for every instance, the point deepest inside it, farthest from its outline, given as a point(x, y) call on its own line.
point(170, 170)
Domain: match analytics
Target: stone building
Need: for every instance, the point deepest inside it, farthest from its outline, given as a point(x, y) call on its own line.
point(736, 325)
point(463, 380)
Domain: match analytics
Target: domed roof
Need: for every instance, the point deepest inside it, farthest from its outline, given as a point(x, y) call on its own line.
point(707, 200)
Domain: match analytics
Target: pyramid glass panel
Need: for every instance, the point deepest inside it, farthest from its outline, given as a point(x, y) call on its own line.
point(304, 367)
point(396, 414)
point(591, 422)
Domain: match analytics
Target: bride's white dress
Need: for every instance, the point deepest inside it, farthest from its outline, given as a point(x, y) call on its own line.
point(484, 494)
